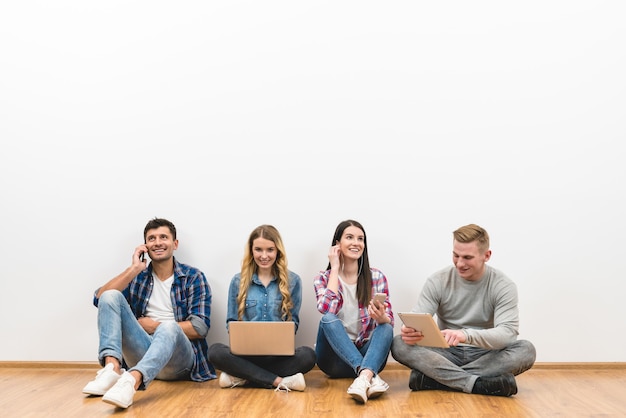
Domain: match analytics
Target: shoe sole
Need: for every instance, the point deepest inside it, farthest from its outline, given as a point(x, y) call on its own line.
point(357, 397)
point(93, 393)
point(375, 394)
point(119, 404)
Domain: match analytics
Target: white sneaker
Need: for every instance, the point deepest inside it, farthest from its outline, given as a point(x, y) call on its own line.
point(122, 392)
point(377, 387)
point(358, 389)
point(228, 381)
point(289, 383)
point(105, 379)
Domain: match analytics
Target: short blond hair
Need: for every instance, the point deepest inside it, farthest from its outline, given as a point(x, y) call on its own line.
point(470, 233)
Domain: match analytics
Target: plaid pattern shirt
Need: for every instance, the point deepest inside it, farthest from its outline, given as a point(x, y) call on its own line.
point(331, 302)
point(191, 297)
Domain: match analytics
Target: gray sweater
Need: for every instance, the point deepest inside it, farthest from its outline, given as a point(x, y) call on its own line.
point(486, 310)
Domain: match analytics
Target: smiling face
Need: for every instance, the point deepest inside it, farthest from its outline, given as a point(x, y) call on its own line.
point(352, 243)
point(264, 252)
point(469, 260)
point(160, 243)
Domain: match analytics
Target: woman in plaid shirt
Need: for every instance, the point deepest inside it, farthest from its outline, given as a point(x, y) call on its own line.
point(355, 332)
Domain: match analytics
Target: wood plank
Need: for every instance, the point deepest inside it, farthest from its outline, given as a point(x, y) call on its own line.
point(543, 392)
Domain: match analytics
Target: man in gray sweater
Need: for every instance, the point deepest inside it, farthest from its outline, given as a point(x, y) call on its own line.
point(476, 309)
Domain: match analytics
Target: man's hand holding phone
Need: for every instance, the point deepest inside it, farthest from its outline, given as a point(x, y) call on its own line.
point(140, 253)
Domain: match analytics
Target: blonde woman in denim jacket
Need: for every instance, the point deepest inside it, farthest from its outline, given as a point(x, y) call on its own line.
point(264, 290)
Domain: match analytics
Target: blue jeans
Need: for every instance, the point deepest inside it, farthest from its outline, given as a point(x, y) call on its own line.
point(338, 356)
point(459, 367)
point(166, 355)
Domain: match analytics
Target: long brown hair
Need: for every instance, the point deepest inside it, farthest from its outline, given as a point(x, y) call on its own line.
point(364, 280)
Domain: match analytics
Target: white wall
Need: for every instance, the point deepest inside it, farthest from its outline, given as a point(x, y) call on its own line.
point(411, 117)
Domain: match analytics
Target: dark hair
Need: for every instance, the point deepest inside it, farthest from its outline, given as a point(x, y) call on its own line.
point(364, 281)
point(156, 223)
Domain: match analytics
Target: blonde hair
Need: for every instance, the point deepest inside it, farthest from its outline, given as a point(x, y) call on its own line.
point(279, 270)
point(470, 233)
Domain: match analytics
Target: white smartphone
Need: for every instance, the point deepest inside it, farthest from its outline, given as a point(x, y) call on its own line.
point(380, 297)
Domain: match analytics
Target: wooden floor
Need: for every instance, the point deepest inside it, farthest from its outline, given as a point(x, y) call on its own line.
point(548, 391)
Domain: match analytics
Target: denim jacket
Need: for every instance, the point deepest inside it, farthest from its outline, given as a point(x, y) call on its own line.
point(263, 303)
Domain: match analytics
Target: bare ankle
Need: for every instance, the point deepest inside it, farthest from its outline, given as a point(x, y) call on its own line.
point(117, 368)
point(138, 378)
point(367, 374)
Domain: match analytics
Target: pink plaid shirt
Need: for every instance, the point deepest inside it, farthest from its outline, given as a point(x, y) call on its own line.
point(331, 302)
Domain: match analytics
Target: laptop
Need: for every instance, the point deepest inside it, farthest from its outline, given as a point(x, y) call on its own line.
point(426, 324)
point(262, 338)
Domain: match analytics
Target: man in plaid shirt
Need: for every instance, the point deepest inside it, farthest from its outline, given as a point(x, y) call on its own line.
point(152, 318)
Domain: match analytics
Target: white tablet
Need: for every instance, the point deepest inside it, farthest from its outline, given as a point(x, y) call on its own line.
point(426, 324)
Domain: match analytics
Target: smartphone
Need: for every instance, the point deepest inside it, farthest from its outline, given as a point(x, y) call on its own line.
point(142, 256)
point(380, 297)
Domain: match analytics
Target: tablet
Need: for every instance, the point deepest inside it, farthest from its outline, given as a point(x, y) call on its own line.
point(426, 324)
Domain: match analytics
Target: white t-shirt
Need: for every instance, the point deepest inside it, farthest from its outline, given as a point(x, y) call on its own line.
point(160, 303)
point(349, 313)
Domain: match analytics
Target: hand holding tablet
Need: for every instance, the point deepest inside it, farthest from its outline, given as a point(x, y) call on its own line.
point(427, 326)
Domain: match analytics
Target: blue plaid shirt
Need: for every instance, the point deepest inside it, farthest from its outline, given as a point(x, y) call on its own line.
point(191, 297)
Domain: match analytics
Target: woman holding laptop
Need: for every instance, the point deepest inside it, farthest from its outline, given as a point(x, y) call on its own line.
point(264, 290)
point(356, 329)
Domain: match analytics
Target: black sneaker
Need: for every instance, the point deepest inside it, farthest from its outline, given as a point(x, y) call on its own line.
point(419, 381)
point(496, 386)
